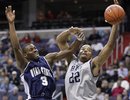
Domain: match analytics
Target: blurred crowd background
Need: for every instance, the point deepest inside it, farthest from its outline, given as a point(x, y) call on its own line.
point(31, 15)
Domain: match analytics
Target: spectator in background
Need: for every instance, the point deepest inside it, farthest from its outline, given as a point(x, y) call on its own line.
point(125, 95)
point(36, 38)
point(26, 38)
point(127, 50)
point(20, 97)
point(11, 67)
point(97, 46)
point(127, 78)
point(105, 87)
point(15, 79)
point(103, 76)
point(127, 62)
point(14, 94)
point(5, 97)
point(51, 45)
point(99, 94)
point(40, 17)
point(67, 15)
point(6, 86)
point(122, 70)
point(124, 84)
point(52, 41)
point(104, 35)
point(60, 69)
point(118, 90)
point(112, 72)
point(5, 39)
point(50, 15)
point(2, 75)
point(60, 15)
point(94, 36)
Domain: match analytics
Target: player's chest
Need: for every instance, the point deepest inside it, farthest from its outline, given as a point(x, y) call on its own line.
point(74, 73)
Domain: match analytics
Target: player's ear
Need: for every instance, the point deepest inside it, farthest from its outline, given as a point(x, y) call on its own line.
point(25, 55)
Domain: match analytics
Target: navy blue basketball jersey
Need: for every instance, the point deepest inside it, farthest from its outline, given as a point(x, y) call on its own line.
point(38, 79)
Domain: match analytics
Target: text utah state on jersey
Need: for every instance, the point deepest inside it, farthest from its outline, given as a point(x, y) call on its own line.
point(40, 70)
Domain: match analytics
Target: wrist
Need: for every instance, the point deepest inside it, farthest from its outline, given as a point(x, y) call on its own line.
point(12, 22)
point(68, 31)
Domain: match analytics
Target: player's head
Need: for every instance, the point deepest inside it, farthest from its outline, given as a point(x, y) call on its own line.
point(85, 53)
point(30, 52)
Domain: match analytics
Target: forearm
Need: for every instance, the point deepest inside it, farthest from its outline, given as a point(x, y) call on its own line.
point(106, 51)
point(62, 40)
point(63, 37)
point(13, 36)
point(75, 45)
point(113, 35)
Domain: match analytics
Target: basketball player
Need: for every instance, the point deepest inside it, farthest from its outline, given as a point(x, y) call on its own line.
point(83, 71)
point(37, 76)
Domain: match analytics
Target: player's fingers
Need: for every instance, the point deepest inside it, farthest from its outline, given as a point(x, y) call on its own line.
point(116, 2)
point(81, 34)
point(13, 11)
point(77, 29)
point(71, 27)
point(5, 10)
point(78, 33)
point(9, 8)
point(83, 37)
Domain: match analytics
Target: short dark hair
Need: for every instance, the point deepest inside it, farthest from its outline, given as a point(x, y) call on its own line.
point(23, 46)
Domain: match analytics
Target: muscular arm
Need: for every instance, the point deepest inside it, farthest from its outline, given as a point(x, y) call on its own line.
point(99, 60)
point(62, 41)
point(51, 57)
point(14, 40)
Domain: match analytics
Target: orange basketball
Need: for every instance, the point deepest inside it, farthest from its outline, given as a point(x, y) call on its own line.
point(114, 14)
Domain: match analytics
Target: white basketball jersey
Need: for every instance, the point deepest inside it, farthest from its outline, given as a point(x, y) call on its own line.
point(80, 84)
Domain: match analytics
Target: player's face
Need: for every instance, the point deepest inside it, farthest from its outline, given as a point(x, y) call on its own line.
point(31, 52)
point(85, 53)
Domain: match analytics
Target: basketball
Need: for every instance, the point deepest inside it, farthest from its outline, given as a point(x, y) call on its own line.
point(114, 14)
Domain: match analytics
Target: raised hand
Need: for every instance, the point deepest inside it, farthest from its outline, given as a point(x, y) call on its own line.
point(10, 14)
point(80, 36)
point(74, 30)
point(116, 2)
point(77, 32)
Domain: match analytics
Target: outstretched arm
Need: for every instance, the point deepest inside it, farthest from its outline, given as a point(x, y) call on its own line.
point(14, 39)
point(63, 37)
point(99, 60)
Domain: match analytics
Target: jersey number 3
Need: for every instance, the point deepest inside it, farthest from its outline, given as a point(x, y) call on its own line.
point(75, 77)
point(44, 80)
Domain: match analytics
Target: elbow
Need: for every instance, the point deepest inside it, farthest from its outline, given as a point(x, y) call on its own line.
point(58, 40)
point(70, 50)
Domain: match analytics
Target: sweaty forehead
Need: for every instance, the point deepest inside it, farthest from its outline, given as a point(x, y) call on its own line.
point(29, 46)
point(88, 47)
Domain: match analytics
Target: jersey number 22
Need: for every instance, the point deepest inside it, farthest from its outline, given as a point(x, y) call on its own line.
point(75, 77)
